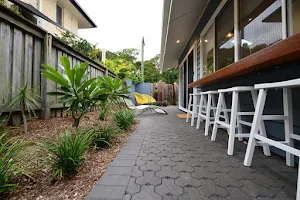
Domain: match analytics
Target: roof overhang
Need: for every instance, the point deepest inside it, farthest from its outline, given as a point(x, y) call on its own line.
point(84, 21)
point(180, 18)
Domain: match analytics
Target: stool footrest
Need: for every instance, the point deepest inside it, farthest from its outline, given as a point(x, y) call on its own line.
point(223, 124)
point(246, 135)
point(279, 145)
point(274, 117)
point(295, 137)
point(245, 123)
point(245, 113)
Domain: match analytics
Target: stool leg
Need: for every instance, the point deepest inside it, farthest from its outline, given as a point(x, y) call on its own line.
point(239, 125)
point(207, 120)
point(213, 101)
point(259, 108)
point(223, 105)
point(199, 111)
point(262, 129)
point(235, 99)
point(288, 123)
point(189, 108)
point(215, 128)
point(298, 184)
point(194, 109)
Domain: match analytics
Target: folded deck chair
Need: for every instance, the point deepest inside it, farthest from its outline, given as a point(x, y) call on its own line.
point(140, 99)
point(144, 108)
point(150, 99)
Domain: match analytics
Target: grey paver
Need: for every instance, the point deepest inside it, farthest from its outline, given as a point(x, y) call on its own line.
point(114, 180)
point(119, 170)
point(107, 192)
point(167, 159)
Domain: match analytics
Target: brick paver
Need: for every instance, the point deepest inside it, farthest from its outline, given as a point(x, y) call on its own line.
point(166, 158)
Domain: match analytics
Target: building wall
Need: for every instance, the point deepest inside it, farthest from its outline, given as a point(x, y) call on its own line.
point(49, 9)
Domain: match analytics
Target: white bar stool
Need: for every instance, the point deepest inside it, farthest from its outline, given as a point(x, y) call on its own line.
point(207, 105)
point(235, 117)
point(287, 117)
point(193, 99)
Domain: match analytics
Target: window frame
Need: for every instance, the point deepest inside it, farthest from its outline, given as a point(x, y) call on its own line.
point(237, 38)
point(62, 15)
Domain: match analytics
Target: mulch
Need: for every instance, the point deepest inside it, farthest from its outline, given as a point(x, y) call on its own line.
point(40, 184)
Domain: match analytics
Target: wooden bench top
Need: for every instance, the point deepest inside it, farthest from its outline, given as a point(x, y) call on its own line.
point(284, 51)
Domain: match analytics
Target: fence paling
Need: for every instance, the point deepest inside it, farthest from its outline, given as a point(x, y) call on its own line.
point(23, 48)
point(162, 91)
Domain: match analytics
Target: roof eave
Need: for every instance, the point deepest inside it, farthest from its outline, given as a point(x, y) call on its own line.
point(83, 13)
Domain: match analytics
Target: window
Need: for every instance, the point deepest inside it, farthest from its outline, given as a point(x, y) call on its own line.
point(260, 24)
point(208, 43)
point(294, 16)
point(225, 36)
point(59, 15)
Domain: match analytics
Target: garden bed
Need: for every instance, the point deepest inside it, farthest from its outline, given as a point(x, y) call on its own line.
point(40, 184)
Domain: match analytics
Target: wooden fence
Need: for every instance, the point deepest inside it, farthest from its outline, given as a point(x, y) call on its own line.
point(23, 48)
point(162, 91)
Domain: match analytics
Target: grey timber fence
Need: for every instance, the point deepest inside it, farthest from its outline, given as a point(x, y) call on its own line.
point(23, 48)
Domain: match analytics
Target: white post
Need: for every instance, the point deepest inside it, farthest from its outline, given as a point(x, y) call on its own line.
point(103, 56)
point(237, 38)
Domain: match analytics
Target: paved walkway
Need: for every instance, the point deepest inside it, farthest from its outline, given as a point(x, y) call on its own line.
point(168, 159)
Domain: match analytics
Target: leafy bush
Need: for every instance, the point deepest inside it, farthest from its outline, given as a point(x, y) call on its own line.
point(67, 152)
point(10, 153)
point(124, 118)
point(102, 136)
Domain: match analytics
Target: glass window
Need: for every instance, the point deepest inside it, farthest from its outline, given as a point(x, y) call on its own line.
point(294, 16)
point(59, 15)
point(225, 36)
point(208, 51)
point(260, 24)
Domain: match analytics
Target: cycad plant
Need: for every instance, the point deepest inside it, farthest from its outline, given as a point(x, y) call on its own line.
point(26, 99)
point(67, 152)
point(76, 89)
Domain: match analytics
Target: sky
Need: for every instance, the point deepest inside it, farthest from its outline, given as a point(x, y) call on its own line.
point(122, 23)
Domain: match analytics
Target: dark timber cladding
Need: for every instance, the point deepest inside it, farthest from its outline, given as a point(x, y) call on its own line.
point(208, 12)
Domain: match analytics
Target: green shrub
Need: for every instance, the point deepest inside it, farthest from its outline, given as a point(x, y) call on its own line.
point(104, 109)
point(10, 153)
point(102, 136)
point(67, 152)
point(124, 118)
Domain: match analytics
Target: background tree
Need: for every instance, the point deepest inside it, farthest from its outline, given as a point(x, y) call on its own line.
point(151, 73)
point(170, 76)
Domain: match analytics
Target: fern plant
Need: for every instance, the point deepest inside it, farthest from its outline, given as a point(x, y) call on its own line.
point(102, 136)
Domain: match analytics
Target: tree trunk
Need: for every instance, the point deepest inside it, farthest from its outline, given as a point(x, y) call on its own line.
point(22, 106)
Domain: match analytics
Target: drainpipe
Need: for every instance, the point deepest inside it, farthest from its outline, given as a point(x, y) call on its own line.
point(40, 8)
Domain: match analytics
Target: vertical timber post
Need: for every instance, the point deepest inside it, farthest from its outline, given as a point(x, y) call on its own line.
point(44, 88)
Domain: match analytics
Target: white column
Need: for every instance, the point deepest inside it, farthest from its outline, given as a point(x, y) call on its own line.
point(237, 38)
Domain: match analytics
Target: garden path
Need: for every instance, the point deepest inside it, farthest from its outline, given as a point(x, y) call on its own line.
point(168, 159)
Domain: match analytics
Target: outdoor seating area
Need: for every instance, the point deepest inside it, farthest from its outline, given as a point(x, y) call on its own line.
point(231, 119)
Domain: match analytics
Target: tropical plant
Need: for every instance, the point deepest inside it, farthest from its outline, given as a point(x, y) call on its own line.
point(77, 90)
point(102, 136)
point(10, 154)
point(124, 118)
point(26, 99)
point(114, 88)
point(67, 152)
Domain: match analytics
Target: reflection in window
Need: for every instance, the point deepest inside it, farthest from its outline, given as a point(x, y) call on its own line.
point(260, 24)
point(294, 16)
point(225, 37)
point(208, 51)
